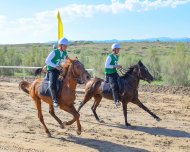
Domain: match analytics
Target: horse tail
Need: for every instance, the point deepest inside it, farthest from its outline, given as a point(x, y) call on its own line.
point(38, 71)
point(25, 86)
point(94, 85)
point(90, 89)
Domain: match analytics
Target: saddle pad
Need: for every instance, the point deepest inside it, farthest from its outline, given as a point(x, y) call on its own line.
point(106, 89)
point(44, 88)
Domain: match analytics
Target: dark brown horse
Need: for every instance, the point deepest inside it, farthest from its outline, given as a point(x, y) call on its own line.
point(131, 78)
point(74, 69)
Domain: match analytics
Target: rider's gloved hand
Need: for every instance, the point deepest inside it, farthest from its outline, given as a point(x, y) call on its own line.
point(118, 66)
point(59, 68)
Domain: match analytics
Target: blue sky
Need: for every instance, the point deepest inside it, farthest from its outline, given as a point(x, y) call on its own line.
point(29, 21)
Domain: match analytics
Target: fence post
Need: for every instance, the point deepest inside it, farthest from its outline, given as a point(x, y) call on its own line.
point(23, 73)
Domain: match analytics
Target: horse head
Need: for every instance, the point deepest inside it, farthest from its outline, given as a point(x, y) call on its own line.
point(78, 70)
point(143, 73)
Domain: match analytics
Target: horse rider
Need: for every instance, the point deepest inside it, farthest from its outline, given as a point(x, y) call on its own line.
point(55, 46)
point(53, 61)
point(111, 66)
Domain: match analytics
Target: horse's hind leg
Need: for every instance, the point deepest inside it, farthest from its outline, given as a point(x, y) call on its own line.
point(97, 99)
point(76, 116)
point(52, 113)
point(87, 97)
point(40, 116)
point(138, 102)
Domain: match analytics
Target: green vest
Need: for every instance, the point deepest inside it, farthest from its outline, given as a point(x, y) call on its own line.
point(58, 58)
point(114, 61)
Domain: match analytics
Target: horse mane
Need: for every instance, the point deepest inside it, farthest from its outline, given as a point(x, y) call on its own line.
point(129, 71)
point(68, 64)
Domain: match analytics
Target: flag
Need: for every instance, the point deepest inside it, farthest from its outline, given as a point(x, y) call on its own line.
point(60, 27)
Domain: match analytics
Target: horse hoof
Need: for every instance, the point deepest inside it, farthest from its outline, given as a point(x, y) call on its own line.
point(158, 119)
point(62, 126)
point(78, 132)
point(127, 124)
point(101, 121)
point(48, 135)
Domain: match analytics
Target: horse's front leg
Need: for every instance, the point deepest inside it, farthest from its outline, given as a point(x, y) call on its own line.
point(138, 102)
point(75, 114)
point(124, 104)
point(52, 113)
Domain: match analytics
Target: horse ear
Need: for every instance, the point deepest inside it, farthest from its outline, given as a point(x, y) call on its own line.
point(140, 63)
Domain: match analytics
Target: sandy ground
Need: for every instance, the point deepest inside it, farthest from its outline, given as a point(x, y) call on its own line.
point(21, 131)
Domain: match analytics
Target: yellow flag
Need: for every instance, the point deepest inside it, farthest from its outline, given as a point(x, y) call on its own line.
point(60, 27)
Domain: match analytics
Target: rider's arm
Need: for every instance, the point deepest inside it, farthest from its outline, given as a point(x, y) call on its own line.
point(107, 64)
point(49, 58)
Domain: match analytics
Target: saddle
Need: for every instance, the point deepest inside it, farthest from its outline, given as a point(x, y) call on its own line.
point(44, 88)
point(106, 88)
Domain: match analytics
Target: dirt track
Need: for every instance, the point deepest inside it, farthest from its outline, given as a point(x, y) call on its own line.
point(21, 131)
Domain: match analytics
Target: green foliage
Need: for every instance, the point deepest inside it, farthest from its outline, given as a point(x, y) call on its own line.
point(77, 51)
point(152, 62)
point(168, 62)
point(176, 69)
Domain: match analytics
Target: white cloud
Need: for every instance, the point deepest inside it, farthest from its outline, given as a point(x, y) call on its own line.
point(39, 27)
point(137, 5)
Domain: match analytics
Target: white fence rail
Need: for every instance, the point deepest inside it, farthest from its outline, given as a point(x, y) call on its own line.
point(27, 67)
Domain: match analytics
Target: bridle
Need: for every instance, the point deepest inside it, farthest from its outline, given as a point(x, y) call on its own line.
point(139, 74)
point(76, 76)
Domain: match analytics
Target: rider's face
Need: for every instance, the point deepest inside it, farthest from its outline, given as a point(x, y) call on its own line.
point(116, 50)
point(63, 47)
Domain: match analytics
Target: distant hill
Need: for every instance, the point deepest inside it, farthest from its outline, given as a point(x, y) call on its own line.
point(161, 39)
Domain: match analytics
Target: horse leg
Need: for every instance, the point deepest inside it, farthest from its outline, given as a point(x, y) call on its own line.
point(40, 116)
point(87, 97)
point(97, 99)
point(76, 116)
point(52, 113)
point(124, 105)
point(138, 102)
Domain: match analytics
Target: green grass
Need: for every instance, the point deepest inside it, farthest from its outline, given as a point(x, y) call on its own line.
point(154, 55)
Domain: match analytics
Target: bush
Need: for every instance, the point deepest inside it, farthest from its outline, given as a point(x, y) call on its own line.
point(176, 69)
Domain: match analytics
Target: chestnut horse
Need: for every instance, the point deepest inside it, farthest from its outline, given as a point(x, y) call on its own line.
point(94, 88)
point(75, 69)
